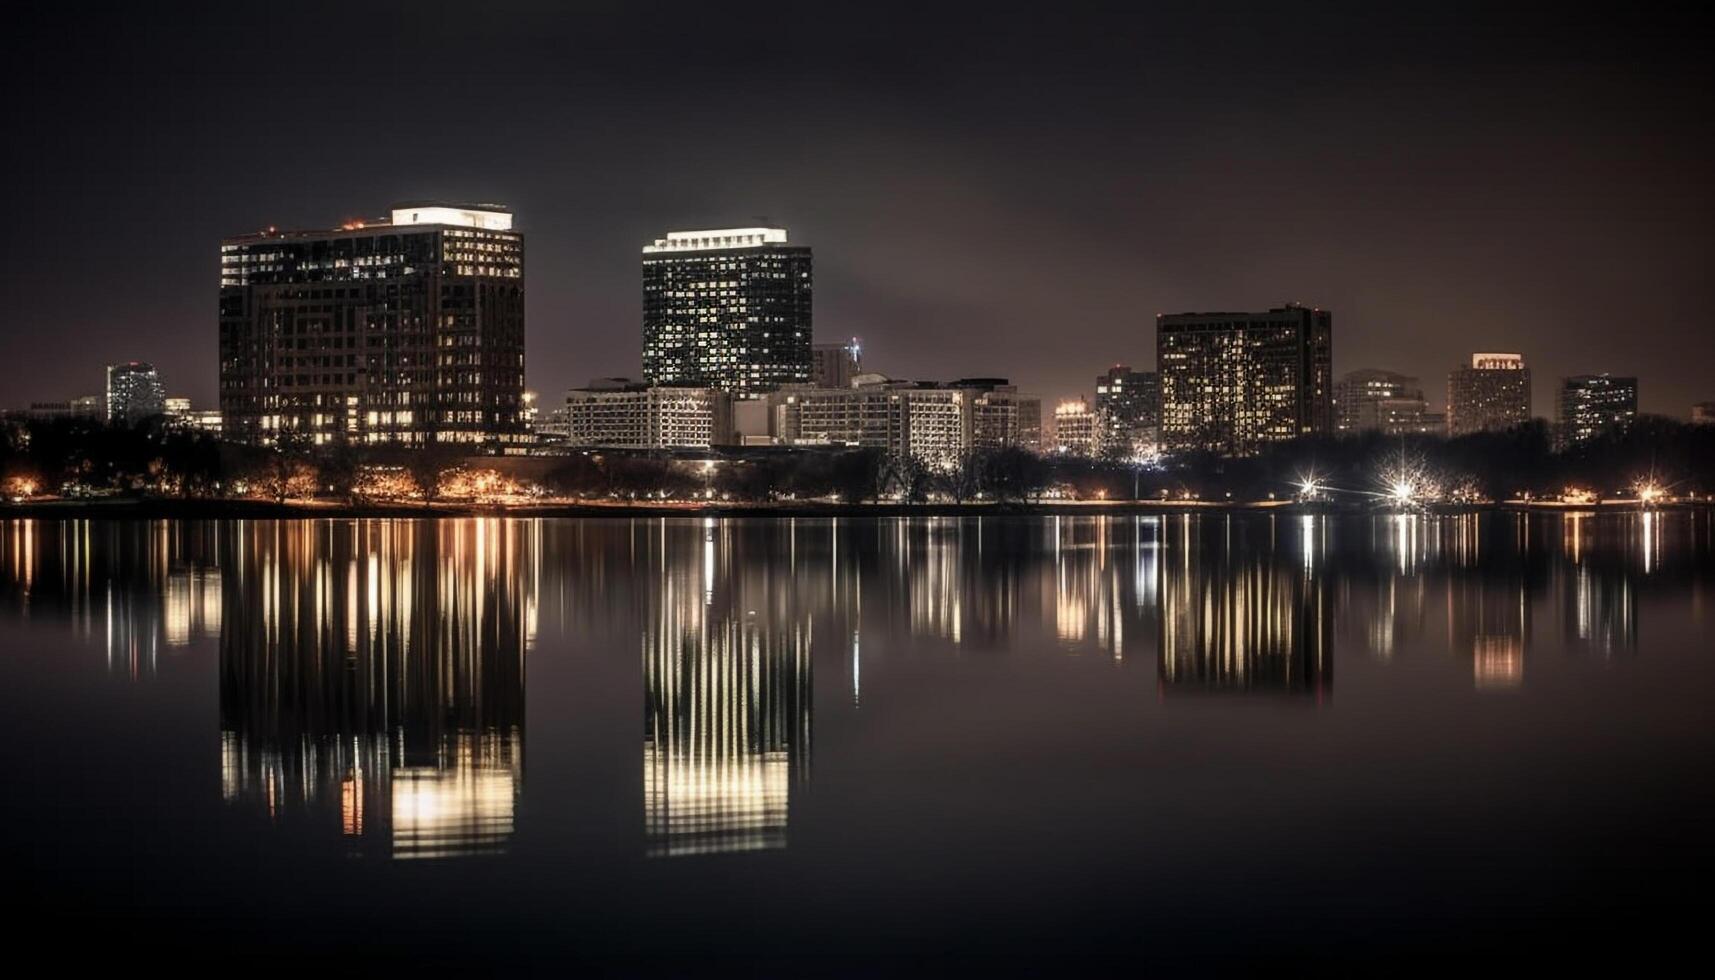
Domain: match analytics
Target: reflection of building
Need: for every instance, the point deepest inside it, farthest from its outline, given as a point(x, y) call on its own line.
point(727, 308)
point(727, 708)
point(1592, 405)
point(1492, 395)
point(1488, 614)
point(1242, 617)
point(372, 680)
point(405, 329)
point(142, 588)
point(1233, 382)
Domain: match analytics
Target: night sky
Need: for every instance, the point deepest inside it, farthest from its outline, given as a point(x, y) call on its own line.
point(988, 193)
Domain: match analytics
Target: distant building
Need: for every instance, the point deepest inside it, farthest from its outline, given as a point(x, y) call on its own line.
point(181, 416)
point(1372, 400)
point(636, 416)
point(134, 393)
point(1128, 411)
point(1492, 395)
point(405, 330)
point(1703, 413)
point(1408, 417)
point(89, 408)
point(1075, 429)
point(1232, 383)
point(835, 365)
point(934, 422)
point(1001, 417)
point(727, 308)
point(1593, 405)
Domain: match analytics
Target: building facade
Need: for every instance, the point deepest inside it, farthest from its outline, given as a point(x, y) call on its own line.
point(1128, 411)
point(1076, 430)
point(1372, 400)
point(835, 365)
point(1491, 395)
point(636, 416)
point(405, 330)
point(1232, 383)
point(1703, 413)
point(85, 408)
point(134, 393)
point(727, 308)
point(934, 422)
point(1594, 405)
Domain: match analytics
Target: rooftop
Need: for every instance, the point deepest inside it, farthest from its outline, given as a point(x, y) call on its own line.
point(714, 239)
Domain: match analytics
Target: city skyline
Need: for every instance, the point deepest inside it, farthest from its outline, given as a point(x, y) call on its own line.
point(1025, 220)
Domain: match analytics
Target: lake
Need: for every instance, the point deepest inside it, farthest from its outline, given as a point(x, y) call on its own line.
point(829, 746)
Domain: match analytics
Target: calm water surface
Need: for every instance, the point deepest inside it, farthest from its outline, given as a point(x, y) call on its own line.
point(820, 745)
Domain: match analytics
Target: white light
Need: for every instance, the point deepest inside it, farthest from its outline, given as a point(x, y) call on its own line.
point(717, 238)
point(492, 219)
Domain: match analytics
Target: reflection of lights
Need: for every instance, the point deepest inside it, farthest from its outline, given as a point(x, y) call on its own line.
point(466, 809)
point(1497, 662)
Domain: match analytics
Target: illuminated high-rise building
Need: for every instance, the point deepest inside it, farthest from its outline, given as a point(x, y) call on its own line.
point(727, 308)
point(1128, 410)
point(1492, 395)
point(1075, 428)
point(1593, 405)
point(134, 393)
point(405, 330)
point(1233, 382)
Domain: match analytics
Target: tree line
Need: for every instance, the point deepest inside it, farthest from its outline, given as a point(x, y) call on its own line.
point(70, 457)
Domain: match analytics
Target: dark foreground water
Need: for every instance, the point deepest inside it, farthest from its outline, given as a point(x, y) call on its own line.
point(690, 745)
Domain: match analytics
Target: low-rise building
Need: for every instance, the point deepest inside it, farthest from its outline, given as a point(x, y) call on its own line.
point(935, 422)
point(621, 414)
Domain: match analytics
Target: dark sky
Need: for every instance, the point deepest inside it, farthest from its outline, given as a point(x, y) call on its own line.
point(988, 192)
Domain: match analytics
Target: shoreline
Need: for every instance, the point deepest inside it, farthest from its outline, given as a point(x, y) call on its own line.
point(174, 509)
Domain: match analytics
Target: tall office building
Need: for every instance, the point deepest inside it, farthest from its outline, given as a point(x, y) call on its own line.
point(134, 393)
point(1075, 428)
point(406, 330)
point(1592, 405)
point(1703, 413)
point(1371, 400)
point(727, 308)
point(1492, 395)
point(1128, 410)
point(835, 365)
point(1234, 382)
